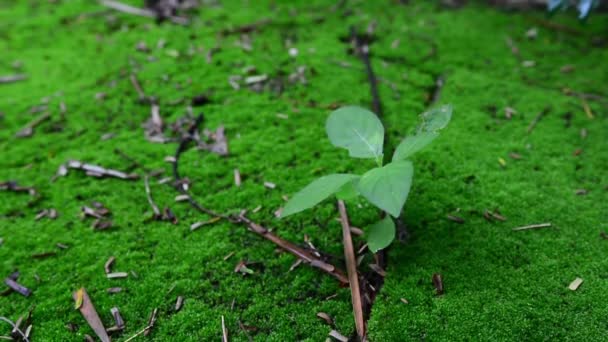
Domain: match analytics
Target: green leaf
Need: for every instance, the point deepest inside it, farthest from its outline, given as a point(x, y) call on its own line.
point(431, 123)
point(316, 192)
point(348, 191)
point(381, 234)
point(412, 144)
point(387, 187)
point(358, 130)
point(435, 119)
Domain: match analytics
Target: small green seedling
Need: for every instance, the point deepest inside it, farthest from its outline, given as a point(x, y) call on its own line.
point(385, 186)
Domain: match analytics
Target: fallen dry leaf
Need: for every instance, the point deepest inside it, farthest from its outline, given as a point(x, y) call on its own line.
point(90, 314)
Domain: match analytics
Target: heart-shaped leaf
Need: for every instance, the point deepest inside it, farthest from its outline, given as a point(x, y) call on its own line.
point(316, 192)
point(381, 234)
point(387, 187)
point(358, 130)
point(412, 144)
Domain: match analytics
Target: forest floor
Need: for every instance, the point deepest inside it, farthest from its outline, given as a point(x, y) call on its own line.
point(527, 145)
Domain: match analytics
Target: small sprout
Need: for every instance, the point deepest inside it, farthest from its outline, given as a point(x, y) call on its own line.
point(386, 186)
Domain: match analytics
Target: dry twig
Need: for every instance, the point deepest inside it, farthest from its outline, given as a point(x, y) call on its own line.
point(534, 226)
point(302, 254)
point(16, 329)
point(157, 213)
point(537, 119)
point(351, 268)
point(93, 170)
point(28, 130)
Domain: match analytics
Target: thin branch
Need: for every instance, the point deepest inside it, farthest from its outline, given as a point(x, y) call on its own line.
point(138, 89)
point(224, 331)
point(537, 119)
point(351, 268)
point(15, 328)
point(179, 186)
point(586, 96)
point(151, 322)
point(155, 208)
point(138, 333)
point(362, 50)
point(28, 130)
point(300, 253)
point(534, 226)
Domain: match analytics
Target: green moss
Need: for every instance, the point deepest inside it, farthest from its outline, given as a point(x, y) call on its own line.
point(500, 284)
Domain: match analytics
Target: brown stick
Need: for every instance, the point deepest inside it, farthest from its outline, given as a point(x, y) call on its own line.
point(537, 119)
point(151, 322)
point(137, 87)
point(300, 253)
point(362, 50)
point(28, 130)
point(351, 268)
point(180, 149)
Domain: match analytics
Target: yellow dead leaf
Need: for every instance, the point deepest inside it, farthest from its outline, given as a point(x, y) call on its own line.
point(79, 298)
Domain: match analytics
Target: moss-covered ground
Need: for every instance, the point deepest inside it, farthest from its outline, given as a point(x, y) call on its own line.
point(499, 284)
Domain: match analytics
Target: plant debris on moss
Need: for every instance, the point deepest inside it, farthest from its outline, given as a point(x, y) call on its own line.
point(502, 237)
